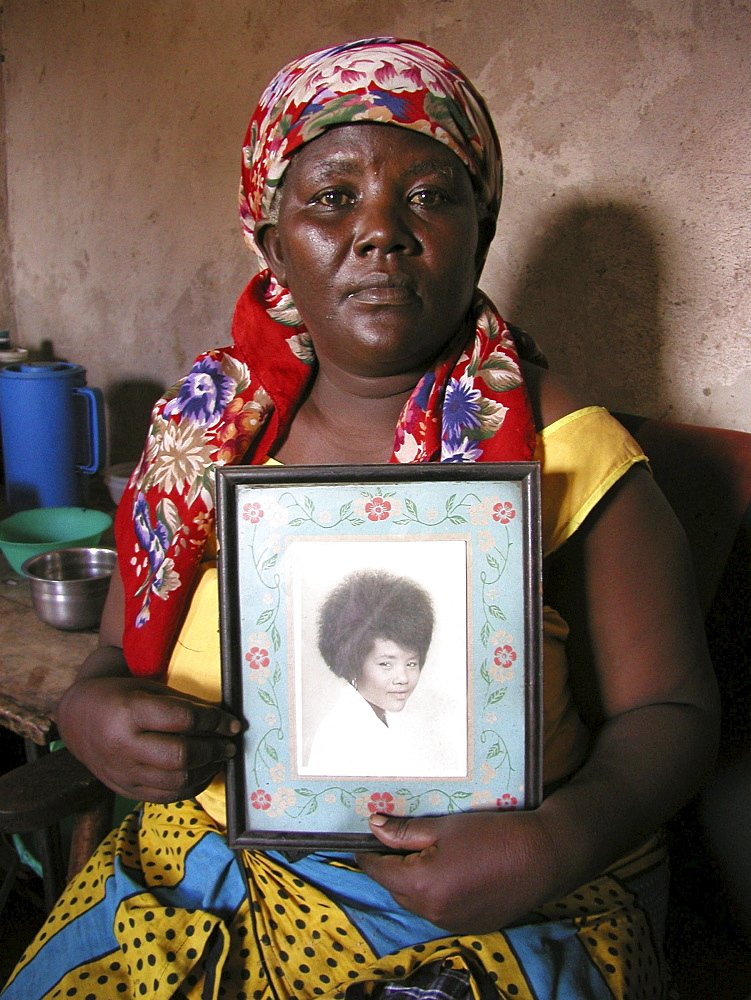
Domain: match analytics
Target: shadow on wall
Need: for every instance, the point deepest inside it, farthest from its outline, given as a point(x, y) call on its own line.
point(129, 406)
point(589, 293)
point(45, 351)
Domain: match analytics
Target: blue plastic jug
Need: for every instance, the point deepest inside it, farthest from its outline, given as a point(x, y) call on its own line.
point(52, 432)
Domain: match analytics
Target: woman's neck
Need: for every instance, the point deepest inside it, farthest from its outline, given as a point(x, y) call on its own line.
point(346, 421)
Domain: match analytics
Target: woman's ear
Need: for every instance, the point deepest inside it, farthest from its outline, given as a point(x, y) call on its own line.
point(268, 242)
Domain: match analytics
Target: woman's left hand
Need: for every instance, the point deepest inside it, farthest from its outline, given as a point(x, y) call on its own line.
point(469, 873)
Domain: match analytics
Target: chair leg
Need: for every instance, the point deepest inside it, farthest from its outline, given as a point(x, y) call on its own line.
point(90, 827)
point(8, 881)
point(48, 845)
point(49, 851)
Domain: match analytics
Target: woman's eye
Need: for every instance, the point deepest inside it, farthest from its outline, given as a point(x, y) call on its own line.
point(428, 198)
point(332, 199)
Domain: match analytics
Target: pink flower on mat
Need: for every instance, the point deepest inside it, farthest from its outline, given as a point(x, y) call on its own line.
point(260, 799)
point(378, 509)
point(257, 657)
point(252, 512)
point(504, 656)
point(504, 512)
point(381, 802)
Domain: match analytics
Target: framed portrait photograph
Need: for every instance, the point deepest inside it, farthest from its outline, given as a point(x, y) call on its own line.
point(381, 636)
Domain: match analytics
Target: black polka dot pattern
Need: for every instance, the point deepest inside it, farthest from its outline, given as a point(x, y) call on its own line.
point(287, 940)
point(616, 935)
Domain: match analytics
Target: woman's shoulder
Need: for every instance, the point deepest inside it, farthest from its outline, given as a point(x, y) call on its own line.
point(550, 396)
point(583, 452)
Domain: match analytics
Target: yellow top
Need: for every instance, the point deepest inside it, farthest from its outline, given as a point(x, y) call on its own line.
point(581, 456)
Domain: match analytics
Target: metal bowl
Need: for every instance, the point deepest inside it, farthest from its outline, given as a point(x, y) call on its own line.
point(69, 586)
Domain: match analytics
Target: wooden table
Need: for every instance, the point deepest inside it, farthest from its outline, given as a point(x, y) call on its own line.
point(37, 662)
point(37, 665)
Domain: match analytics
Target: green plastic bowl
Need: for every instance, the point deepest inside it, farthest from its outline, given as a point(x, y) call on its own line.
point(31, 532)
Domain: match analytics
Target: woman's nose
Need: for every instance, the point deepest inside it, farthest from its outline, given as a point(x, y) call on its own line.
point(383, 226)
point(400, 674)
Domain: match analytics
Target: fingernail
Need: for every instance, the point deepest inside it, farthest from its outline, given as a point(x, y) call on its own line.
point(378, 819)
point(231, 750)
point(235, 727)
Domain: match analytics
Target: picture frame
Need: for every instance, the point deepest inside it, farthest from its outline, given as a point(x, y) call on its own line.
point(467, 735)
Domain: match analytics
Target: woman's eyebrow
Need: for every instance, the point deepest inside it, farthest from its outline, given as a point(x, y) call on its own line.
point(445, 170)
point(336, 165)
point(395, 656)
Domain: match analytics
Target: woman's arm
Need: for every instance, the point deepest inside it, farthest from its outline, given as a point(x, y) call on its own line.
point(653, 682)
point(139, 737)
point(654, 686)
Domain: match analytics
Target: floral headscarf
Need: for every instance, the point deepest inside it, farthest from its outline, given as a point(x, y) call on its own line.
point(386, 80)
point(237, 401)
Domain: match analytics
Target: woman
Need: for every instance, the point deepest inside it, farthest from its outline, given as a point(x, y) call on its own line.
point(371, 183)
point(374, 630)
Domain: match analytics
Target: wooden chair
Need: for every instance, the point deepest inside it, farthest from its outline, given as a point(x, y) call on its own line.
point(37, 796)
point(706, 475)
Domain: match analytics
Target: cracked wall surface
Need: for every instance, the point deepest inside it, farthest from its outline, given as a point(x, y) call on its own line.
point(623, 243)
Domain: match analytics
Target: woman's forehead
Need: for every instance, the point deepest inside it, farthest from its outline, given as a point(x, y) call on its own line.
point(390, 649)
point(353, 149)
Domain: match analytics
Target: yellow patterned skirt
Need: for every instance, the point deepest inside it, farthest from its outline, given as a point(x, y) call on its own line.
point(165, 911)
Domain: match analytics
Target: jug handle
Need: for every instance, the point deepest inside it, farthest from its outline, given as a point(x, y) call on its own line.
point(95, 409)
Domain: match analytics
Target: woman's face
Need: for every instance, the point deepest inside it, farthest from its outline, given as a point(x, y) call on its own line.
point(378, 242)
point(389, 675)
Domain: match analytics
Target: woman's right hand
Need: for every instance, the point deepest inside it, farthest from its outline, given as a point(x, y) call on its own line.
point(144, 740)
point(138, 736)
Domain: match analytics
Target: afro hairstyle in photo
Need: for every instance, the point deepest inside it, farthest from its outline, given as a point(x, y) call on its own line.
point(372, 604)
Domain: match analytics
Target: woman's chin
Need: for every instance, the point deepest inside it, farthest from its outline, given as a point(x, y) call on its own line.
point(397, 703)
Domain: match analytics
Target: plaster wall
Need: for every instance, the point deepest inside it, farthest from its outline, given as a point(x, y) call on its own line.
point(6, 303)
point(623, 243)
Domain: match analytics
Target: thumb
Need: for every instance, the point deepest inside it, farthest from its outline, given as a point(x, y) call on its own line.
point(402, 833)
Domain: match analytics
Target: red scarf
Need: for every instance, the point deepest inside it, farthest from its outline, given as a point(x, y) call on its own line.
point(237, 401)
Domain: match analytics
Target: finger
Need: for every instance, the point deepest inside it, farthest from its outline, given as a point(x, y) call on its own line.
point(168, 752)
point(173, 714)
point(211, 718)
point(404, 834)
point(384, 868)
point(394, 872)
point(155, 785)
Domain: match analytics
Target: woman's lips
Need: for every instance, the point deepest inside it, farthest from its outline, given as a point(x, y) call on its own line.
point(383, 290)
